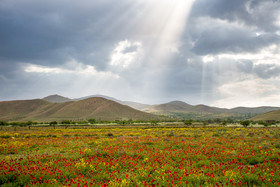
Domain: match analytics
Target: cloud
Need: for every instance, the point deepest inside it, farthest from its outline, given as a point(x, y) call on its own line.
point(261, 14)
point(125, 53)
point(75, 68)
point(251, 92)
point(214, 36)
point(146, 50)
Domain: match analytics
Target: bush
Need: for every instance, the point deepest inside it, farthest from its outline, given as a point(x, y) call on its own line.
point(66, 122)
point(92, 121)
point(3, 123)
point(53, 124)
point(154, 122)
point(245, 123)
point(188, 122)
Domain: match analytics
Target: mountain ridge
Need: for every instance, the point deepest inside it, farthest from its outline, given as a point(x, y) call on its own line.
point(56, 99)
point(95, 107)
point(55, 106)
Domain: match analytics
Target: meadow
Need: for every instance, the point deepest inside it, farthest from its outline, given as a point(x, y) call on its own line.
point(140, 156)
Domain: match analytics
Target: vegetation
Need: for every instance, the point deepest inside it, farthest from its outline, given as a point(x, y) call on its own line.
point(154, 156)
point(245, 123)
point(188, 122)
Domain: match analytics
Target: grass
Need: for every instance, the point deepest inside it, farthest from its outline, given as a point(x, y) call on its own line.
point(138, 156)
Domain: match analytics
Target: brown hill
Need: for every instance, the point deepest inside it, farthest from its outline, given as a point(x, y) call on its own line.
point(97, 108)
point(56, 99)
point(179, 106)
point(173, 106)
point(184, 110)
point(273, 115)
point(17, 110)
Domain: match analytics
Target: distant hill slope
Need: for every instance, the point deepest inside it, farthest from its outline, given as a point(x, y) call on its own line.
point(255, 110)
point(17, 110)
point(97, 108)
point(272, 115)
point(179, 106)
point(135, 105)
point(184, 110)
point(56, 99)
point(173, 106)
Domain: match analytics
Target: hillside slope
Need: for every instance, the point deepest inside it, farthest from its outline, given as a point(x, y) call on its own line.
point(173, 106)
point(56, 99)
point(273, 115)
point(183, 110)
point(18, 110)
point(255, 110)
point(97, 108)
point(132, 104)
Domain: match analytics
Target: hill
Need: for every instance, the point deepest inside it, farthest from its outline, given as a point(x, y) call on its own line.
point(17, 110)
point(173, 106)
point(96, 107)
point(56, 99)
point(256, 110)
point(135, 105)
point(183, 110)
point(272, 115)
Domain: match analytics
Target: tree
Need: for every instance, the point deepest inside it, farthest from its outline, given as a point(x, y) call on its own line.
point(53, 124)
point(29, 123)
point(205, 123)
point(154, 122)
point(224, 123)
point(188, 122)
point(3, 123)
point(245, 123)
point(92, 121)
point(67, 122)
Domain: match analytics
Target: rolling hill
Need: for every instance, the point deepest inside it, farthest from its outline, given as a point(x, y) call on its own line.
point(96, 107)
point(56, 99)
point(173, 106)
point(135, 105)
point(272, 115)
point(56, 107)
point(183, 110)
point(256, 110)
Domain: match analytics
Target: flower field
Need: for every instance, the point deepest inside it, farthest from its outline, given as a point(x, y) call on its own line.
point(210, 156)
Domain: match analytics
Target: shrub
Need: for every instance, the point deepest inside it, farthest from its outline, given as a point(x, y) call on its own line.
point(92, 121)
point(245, 123)
point(188, 122)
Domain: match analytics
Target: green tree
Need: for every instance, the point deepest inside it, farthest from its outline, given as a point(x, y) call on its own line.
point(3, 123)
point(53, 124)
point(245, 123)
point(92, 121)
point(224, 123)
point(188, 122)
point(66, 122)
point(28, 124)
point(154, 122)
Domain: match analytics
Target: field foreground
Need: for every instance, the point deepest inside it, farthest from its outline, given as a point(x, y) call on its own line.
point(212, 156)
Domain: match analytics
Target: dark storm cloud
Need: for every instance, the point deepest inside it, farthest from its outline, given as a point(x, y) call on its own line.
point(49, 32)
point(259, 13)
point(219, 26)
point(224, 38)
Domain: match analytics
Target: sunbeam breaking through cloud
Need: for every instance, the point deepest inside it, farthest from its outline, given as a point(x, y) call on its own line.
point(150, 51)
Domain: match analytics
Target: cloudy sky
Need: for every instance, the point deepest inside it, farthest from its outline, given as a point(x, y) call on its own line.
point(216, 52)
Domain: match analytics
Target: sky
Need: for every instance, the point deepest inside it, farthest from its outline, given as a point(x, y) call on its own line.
point(215, 52)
